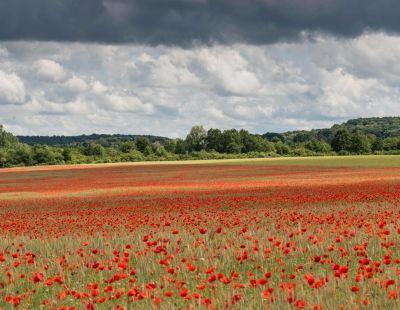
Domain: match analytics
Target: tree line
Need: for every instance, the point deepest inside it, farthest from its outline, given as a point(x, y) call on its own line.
point(198, 144)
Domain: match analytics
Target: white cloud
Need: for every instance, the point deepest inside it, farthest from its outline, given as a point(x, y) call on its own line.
point(12, 89)
point(125, 104)
point(162, 90)
point(76, 84)
point(373, 55)
point(166, 70)
point(98, 87)
point(344, 94)
point(230, 70)
point(342, 91)
point(50, 70)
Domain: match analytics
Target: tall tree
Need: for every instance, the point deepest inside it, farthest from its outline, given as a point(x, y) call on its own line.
point(3, 157)
point(127, 146)
point(93, 149)
point(142, 143)
point(6, 139)
point(180, 147)
point(232, 141)
point(170, 145)
point(341, 141)
point(317, 146)
point(378, 145)
point(391, 144)
point(196, 139)
point(360, 144)
point(20, 154)
point(214, 140)
point(253, 143)
point(43, 154)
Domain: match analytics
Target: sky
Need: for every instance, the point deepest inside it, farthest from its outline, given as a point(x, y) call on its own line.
point(70, 67)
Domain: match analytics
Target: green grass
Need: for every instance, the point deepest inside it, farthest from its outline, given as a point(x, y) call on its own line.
point(367, 161)
point(327, 161)
point(320, 161)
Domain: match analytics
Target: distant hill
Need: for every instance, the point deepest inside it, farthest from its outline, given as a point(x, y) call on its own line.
point(103, 139)
point(381, 127)
point(384, 127)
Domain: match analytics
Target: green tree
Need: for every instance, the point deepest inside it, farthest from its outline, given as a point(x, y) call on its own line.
point(93, 149)
point(159, 149)
point(148, 150)
point(248, 141)
point(6, 139)
point(170, 145)
point(180, 147)
point(142, 143)
point(112, 155)
point(378, 145)
point(276, 139)
point(232, 141)
point(214, 140)
point(264, 145)
point(341, 141)
point(196, 139)
point(132, 156)
point(43, 154)
point(304, 136)
point(20, 154)
point(391, 144)
point(360, 144)
point(282, 148)
point(3, 157)
point(67, 154)
point(299, 150)
point(252, 143)
point(318, 146)
point(127, 146)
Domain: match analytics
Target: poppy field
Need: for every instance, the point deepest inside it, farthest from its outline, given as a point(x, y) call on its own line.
point(243, 234)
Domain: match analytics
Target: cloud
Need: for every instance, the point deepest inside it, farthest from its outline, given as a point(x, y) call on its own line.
point(230, 70)
point(50, 70)
point(373, 55)
point(166, 70)
point(76, 84)
point(12, 89)
point(166, 90)
point(344, 94)
point(184, 22)
point(124, 103)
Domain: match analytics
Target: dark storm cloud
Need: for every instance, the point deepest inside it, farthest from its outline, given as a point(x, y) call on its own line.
point(182, 22)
